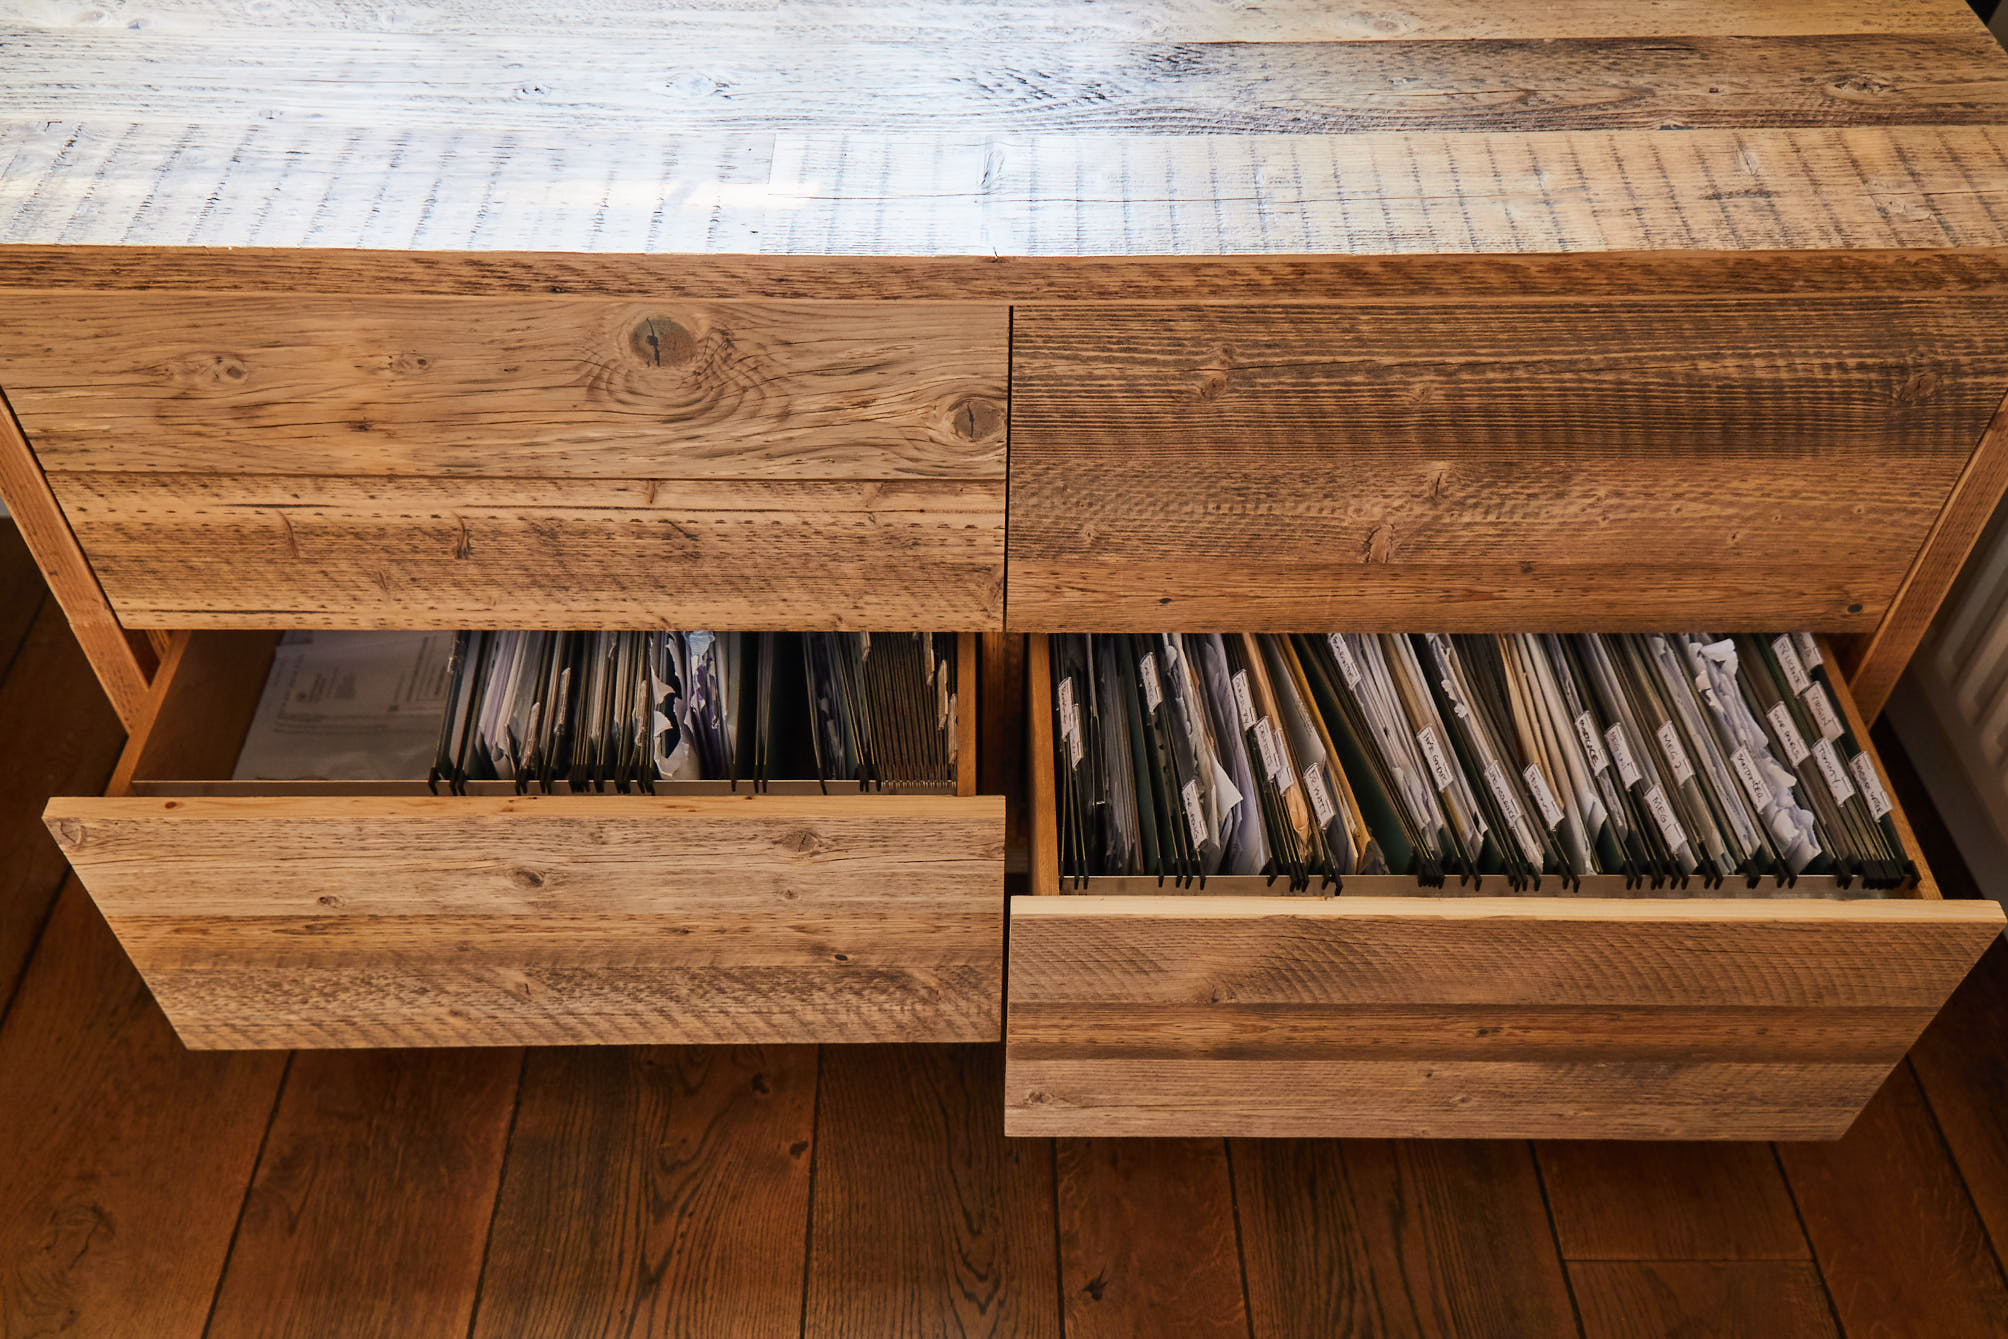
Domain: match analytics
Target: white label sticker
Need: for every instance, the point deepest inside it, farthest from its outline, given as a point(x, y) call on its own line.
point(1822, 708)
point(1509, 804)
point(1781, 720)
point(1808, 649)
point(1753, 780)
point(1195, 817)
point(1788, 662)
point(1342, 653)
point(1153, 691)
point(1244, 701)
point(1067, 698)
point(1432, 752)
point(1621, 754)
point(1544, 799)
point(1871, 784)
point(1676, 756)
point(1593, 748)
point(1272, 754)
point(1662, 813)
point(1837, 775)
point(1321, 803)
point(1074, 746)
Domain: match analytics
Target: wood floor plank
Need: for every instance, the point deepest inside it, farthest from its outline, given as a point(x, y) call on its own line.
point(369, 1211)
point(1962, 1064)
point(1396, 1238)
point(1147, 1242)
point(64, 740)
point(927, 1220)
point(127, 1156)
point(1778, 1299)
point(1896, 1235)
point(1690, 1201)
point(21, 590)
point(654, 1191)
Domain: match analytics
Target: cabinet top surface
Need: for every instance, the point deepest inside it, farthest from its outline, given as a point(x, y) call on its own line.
point(1003, 127)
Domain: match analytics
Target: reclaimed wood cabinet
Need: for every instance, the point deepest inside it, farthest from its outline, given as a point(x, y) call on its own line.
point(1001, 320)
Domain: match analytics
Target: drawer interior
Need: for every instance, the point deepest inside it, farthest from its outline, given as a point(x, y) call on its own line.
point(1386, 1007)
point(267, 914)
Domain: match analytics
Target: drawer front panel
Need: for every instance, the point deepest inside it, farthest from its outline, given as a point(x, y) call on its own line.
point(316, 461)
point(1605, 464)
point(1469, 1017)
point(456, 921)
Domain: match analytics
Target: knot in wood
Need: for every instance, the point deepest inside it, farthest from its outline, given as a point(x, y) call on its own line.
point(660, 342)
point(976, 419)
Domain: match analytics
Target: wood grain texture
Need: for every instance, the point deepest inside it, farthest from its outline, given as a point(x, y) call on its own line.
point(476, 921)
point(1479, 466)
point(264, 551)
point(123, 666)
point(177, 180)
point(1780, 1300)
point(371, 1204)
point(1511, 1017)
point(66, 739)
point(654, 1191)
point(593, 83)
point(1683, 1202)
point(1893, 1229)
point(1283, 279)
point(1167, 20)
point(499, 388)
point(1396, 1239)
point(1121, 1272)
point(1964, 1077)
point(927, 1220)
point(127, 1156)
point(1882, 656)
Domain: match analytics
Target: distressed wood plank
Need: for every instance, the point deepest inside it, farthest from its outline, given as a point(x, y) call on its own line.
point(654, 1191)
point(128, 1157)
point(1447, 464)
point(1684, 1202)
point(595, 84)
point(472, 921)
point(1895, 1232)
point(927, 1220)
point(1780, 1300)
point(369, 1212)
point(1397, 1239)
point(1514, 1017)
point(1279, 279)
point(1166, 20)
point(287, 552)
point(1122, 1272)
point(85, 182)
point(497, 388)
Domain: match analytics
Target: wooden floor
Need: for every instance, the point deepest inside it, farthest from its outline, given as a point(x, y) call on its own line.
point(148, 1191)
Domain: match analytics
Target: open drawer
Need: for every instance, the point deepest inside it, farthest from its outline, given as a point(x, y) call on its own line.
point(325, 919)
point(1391, 1011)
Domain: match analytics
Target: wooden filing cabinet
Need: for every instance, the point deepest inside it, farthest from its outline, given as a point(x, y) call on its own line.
point(1681, 315)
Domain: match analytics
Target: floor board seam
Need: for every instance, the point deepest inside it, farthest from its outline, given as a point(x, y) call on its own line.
point(250, 1185)
point(495, 1206)
point(1819, 1266)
